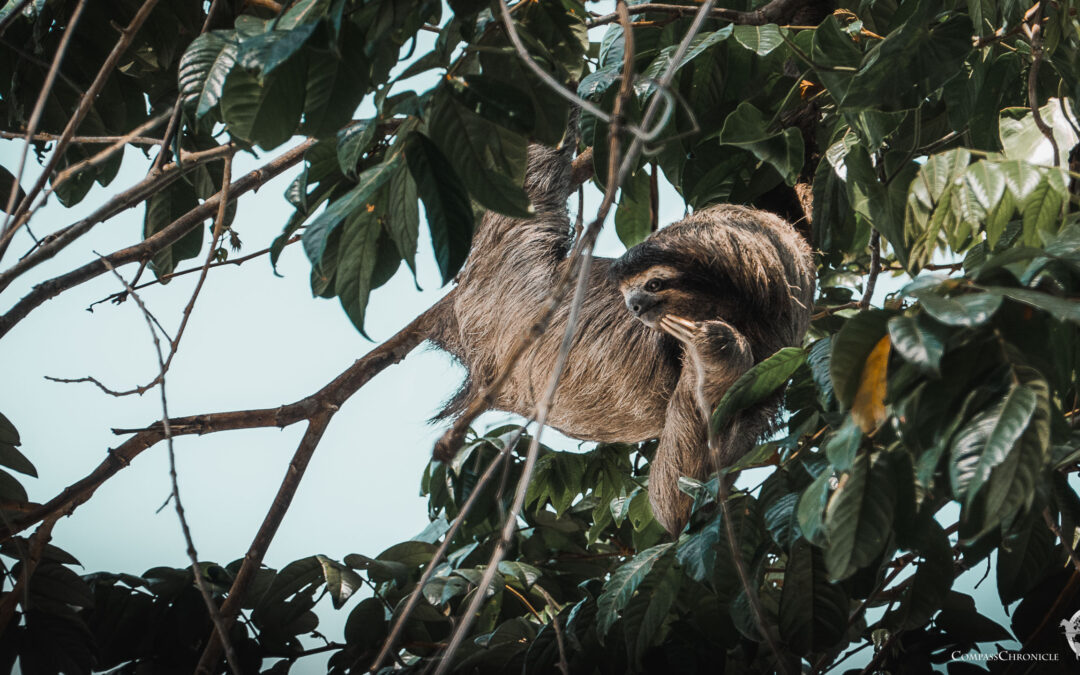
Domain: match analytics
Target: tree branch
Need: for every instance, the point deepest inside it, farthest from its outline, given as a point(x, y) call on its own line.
point(136, 194)
point(335, 393)
point(777, 11)
point(208, 663)
point(146, 249)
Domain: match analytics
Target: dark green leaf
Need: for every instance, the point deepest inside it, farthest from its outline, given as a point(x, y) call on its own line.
point(859, 516)
point(341, 581)
point(850, 348)
point(449, 215)
point(813, 610)
point(919, 341)
point(163, 207)
point(757, 383)
point(624, 582)
point(265, 112)
point(359, 199)
point(205, 65)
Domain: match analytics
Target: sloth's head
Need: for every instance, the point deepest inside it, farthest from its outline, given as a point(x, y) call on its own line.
point(656, 278)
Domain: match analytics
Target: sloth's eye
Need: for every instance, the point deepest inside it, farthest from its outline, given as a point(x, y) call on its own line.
point(653, 285)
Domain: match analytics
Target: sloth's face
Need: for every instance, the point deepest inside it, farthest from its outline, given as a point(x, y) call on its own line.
point(654, 292)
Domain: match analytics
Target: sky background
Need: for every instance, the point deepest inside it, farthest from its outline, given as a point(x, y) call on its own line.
point(254, 340)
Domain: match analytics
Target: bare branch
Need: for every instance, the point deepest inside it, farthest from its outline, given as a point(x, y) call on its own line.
point(119, 297)
point(335, 393)
point(193, 556)
point(1033, 78)
point(57, 241)
point(777, 11)
point(146, 249)
point(43, 137)
point(253, 559)
point(23, 212)
point(875, 270)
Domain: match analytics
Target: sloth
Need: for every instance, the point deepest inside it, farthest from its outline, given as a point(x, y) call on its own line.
point(663, 332)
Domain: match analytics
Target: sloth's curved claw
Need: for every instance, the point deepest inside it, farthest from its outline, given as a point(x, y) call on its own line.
point(678, 327)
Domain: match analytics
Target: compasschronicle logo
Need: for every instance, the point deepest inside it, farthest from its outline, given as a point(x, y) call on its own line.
point(1071, 628)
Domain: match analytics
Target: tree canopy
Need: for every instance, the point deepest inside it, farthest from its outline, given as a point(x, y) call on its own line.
point(927, 432)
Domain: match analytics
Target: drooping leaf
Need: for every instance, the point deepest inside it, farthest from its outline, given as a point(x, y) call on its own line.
point(624, 582)
point(859, 515)
point(757, 383)
point(204, 67)
point(813, 610)
point(449, 215)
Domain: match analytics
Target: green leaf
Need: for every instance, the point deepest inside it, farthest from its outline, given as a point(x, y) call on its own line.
point(1024, 559)
point(759, 39)
point(204, 67)
point(494, 101)
point(265, 112)
point(624, 582)
point(11, 489)
point(366, 627)
point(7, 182)
point(701, 43)
point(919, 341)
point(341, 581)
point(646, 615)
point(360, 198)
point(858, 518)
point(632, 218)
point(490, 160)
point(1060, 308)
point(931, 582)
point(449, 215)
point(757, 383)
point(811, 510)
point(813, 611)
point(402, 215)
point(335, 88)
point(9, 455)
point(163, 207)
point(850, 348)
point(266, 52)
point(358, 256)
point(973, 309)
point(1041, 211)
point(352, 142)
point(843, 445)
point(782, 149)
point(986, 441)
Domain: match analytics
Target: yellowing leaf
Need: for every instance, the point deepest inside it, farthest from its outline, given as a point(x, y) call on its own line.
point(868, 410)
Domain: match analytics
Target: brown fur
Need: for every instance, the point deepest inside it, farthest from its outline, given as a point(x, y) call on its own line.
point(746, 279)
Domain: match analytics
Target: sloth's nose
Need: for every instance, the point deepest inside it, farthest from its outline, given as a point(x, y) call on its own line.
point(640, 302)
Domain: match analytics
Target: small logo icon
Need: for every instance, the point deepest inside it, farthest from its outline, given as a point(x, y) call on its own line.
point(1071, 628)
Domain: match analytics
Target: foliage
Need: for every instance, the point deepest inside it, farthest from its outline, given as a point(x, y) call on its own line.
point(922, 437)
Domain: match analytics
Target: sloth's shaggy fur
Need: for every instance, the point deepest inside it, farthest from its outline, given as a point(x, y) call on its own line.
point(744, 276)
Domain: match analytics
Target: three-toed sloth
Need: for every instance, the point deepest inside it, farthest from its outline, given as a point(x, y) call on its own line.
point(663, 332)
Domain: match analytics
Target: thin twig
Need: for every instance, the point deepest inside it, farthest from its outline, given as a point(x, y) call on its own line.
point(776, 11)
point(43, 137)
point(148, 247)
point(136, 194)
point(254, 557)
point(119, 296)
point(35, 117)
point(1033, 77)
point(1067, 543)
point(174, 343)
point(174, 115)
point(24, 211)
point(193, 556)
point(875, 270)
